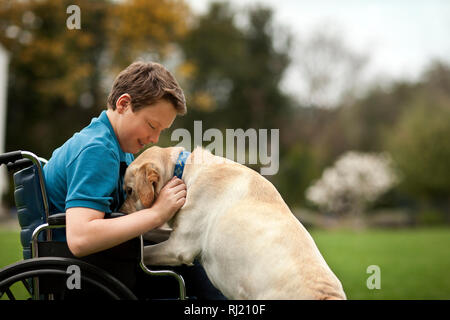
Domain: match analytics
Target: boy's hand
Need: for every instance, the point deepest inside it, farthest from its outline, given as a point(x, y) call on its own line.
point(171, 198)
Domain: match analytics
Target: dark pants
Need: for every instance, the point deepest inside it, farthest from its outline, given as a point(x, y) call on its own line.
point(197, 284)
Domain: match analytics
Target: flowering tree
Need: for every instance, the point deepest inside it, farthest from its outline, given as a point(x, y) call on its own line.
point(355, 180)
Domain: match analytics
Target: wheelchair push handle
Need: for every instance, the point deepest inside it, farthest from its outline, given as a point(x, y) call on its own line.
point(16, 160)
point(10, 157)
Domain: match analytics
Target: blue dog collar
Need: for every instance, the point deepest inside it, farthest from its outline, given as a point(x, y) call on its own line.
point(179, 165)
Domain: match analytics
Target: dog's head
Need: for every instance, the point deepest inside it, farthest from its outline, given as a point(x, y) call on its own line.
point(146, 176)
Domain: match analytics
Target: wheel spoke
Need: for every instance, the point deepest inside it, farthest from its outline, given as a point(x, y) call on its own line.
point(27, 286)
point(9, 294)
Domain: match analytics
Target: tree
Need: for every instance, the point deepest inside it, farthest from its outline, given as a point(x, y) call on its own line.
point(51, 68)
point(236, 70)
point(354, 181)
point(420, 147)
point(145, 29)
point(213, 50)
point(330, 71)
point(59, 78)
point(298, 167)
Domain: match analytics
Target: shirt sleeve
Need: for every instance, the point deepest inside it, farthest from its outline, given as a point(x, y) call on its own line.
point(91, 179)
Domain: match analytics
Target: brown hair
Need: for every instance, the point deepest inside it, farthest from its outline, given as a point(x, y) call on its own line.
point(146, 83)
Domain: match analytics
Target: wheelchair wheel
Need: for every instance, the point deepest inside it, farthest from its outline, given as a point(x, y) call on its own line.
point(52, 274)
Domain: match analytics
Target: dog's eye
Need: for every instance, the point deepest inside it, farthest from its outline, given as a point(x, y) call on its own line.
point(129, 191)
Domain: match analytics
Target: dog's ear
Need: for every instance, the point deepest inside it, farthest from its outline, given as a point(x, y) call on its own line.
point(147, 179)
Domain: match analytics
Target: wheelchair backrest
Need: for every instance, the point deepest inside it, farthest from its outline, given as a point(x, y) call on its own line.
point(30, 207)
point(29, 204)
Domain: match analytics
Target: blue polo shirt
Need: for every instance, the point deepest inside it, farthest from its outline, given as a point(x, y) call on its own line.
point(87, 171)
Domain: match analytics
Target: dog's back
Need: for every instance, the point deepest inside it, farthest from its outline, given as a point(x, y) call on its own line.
point(254, 247)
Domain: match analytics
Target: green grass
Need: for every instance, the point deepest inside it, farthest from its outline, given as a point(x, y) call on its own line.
point(10, 247)
point(414, 263)
point(10, 252)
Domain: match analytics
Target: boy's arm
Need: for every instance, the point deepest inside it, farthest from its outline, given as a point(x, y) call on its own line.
point(87, 232)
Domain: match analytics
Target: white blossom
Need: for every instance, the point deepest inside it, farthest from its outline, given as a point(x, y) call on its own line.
point(354, 180)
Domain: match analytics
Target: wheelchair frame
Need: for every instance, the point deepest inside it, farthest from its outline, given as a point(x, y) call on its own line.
point(22, 160)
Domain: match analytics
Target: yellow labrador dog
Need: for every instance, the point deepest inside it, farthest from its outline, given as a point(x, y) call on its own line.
point(235, 221)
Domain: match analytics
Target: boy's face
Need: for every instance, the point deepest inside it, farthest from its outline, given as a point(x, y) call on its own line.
point(134, 130)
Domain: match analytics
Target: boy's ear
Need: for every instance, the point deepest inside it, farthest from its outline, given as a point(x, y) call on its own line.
point(123, 102)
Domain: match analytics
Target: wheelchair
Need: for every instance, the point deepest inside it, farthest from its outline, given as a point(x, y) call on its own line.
point(49, 271)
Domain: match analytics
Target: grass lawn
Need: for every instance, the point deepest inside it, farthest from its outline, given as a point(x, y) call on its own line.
point(414, 263)
point(10, 252)
point(10, 247)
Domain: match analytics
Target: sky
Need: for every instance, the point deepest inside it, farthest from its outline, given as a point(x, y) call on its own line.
point(401, 36)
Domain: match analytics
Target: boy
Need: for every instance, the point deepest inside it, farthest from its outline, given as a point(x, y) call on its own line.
point(84, 178)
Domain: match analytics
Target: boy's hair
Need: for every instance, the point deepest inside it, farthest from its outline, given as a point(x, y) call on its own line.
point(146, 83)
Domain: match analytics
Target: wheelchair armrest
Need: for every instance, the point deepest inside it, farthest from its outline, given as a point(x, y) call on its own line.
point(114, 215)
point(57, 219)
point(60, 218)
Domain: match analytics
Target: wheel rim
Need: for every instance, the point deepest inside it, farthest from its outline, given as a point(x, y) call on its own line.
point(39, 267)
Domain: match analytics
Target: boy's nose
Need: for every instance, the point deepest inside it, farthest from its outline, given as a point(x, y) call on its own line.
point(153, 139)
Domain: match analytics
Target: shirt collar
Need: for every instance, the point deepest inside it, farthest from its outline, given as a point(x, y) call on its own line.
point(103, 118)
